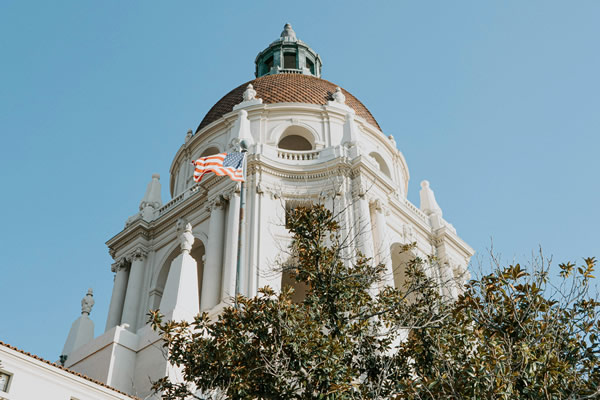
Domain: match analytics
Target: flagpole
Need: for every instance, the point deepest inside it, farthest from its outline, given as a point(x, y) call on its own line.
point(244, 149)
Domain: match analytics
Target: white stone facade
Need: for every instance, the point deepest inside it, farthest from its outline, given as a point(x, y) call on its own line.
point(351, 167)
point(23, 376)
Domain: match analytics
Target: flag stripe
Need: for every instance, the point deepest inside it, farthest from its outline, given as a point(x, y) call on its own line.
point(229, 164)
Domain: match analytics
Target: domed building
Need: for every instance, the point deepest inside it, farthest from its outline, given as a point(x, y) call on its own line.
point(308, 141)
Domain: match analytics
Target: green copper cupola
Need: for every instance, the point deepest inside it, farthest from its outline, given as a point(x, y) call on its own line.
point(288, 55)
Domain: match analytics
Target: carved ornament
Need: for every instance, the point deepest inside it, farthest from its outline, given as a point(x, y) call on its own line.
point(137, 254)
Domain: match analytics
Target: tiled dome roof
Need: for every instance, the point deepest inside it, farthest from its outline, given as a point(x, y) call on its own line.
point(286, 88)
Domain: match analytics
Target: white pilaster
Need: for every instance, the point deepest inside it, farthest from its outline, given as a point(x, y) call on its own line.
point(231, 243)
point(365, 228)
point(383, 243)
point(134, 288)
point(255, 195)
point(271, 231)
point(211, 279)
point(117, 299)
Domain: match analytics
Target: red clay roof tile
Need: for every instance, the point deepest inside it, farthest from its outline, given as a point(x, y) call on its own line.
point(286, 88)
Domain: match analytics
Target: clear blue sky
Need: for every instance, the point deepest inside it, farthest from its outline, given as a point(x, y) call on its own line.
point(497, 104)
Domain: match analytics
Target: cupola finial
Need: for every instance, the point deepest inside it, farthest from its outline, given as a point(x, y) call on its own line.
point(288, 33)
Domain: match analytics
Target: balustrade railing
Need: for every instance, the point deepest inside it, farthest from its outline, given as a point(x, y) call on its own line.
point(417, 212)
point(176, 200)
point(290, 71)
point(297, 155)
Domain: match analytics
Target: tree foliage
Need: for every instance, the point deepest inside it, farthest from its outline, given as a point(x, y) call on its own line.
point(510, 334)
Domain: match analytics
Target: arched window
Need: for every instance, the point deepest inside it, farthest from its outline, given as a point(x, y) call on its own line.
point(400, 262)
point(209, 152)
point(381, 164)
point(296, 138)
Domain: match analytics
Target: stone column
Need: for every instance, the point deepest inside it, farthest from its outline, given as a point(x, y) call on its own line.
point(271, 217)
point(383, 243)
point(255, 194)
point(364, 227)
point(118, 294)
point(364, 230)
point(134, 288)
point(231, 243)
point(211, 278)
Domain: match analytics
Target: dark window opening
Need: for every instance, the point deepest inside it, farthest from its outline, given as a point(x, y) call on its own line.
point(289, 60)
point(311, 66)
point(295, 143)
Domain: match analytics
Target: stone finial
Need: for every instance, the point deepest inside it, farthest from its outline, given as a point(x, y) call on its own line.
point(152, 196)
point(249, 93)
point(338, 96)
point(391, 138)
point(188, 135)
point(87, 302)
point(428, 204)
point(186, 237)
point(288, 33)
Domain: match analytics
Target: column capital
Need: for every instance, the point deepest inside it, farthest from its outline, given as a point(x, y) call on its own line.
point(358, 190)
point(137, 254)
point(119, 264)
point(218, 202)
point(229, 194)
point(380, 206)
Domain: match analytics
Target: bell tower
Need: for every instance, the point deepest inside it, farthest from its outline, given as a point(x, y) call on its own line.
point(309, 141)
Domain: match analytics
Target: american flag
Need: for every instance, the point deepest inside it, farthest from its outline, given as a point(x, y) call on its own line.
point(230, 164)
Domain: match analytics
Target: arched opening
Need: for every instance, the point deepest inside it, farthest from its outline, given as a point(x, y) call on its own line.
point(381, 164)
point(311, 66)
point(296, 138)
point(209, 152)
point(400, 262)
point(197, 253)
point(266, 67)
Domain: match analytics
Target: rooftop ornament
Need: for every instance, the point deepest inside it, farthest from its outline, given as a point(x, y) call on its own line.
point(87, 302)
point(288, 33)
point(338, 96)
